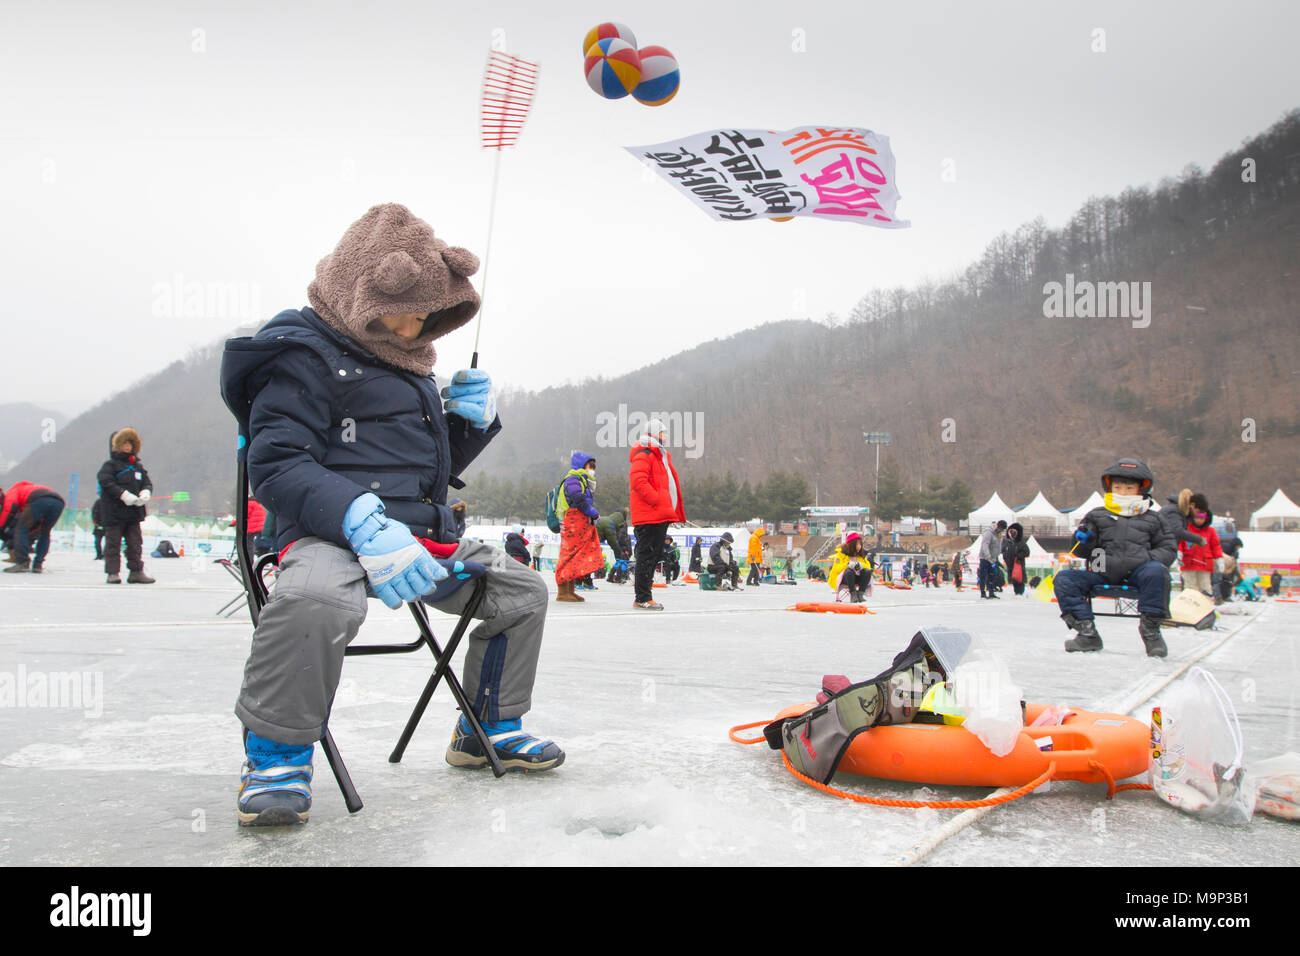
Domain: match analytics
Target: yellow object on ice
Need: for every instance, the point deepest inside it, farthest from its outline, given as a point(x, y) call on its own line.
point(941, 700)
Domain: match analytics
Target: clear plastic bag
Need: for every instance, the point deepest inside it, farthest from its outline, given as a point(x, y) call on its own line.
point(1197, 753)
point(1278, 780)
point(985, 693)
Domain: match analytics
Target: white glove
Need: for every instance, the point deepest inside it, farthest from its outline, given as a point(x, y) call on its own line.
point(129, 499)
point(145, 495)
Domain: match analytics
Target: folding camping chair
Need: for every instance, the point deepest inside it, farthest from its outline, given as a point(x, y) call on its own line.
point(458, 574)
point(232, 567)
point(1125, 598)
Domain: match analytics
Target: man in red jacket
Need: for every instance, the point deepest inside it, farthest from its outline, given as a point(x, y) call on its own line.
point(656, 503)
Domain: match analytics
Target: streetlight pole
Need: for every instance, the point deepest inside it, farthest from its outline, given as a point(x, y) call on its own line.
point(877, 439)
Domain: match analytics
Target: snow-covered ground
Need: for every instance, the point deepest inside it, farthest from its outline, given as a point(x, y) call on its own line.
point(142, 767)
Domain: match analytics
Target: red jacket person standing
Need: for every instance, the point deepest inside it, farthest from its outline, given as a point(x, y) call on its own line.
point(656, 503)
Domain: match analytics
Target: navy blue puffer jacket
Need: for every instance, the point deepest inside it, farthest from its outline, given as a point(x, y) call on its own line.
point(327, 421)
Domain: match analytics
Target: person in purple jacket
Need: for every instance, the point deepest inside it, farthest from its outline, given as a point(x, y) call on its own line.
point(580, 553)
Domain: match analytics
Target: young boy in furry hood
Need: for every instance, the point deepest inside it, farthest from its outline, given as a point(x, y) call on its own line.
point(124, 490)
point(352, 449)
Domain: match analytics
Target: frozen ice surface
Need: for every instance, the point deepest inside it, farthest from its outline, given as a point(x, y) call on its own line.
point(145, 771)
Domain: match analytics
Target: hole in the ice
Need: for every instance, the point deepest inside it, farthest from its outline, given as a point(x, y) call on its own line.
point(609, 828)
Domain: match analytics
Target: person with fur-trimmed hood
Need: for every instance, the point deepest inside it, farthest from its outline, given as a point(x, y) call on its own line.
point(124, 490)
point(352, 445)
point(1014, 552)
point(1123, 542)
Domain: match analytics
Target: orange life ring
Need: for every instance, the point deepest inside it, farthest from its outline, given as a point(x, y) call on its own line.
point(828, 607)
point(951, 755)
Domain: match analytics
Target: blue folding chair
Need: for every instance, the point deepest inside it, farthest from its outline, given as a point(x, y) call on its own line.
point(459, 574)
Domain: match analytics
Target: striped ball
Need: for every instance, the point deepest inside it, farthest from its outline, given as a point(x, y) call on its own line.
point(660, 76)
point(613, 68)
point(604, 31)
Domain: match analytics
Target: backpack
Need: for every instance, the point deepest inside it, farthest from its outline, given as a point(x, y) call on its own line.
point(555, 500)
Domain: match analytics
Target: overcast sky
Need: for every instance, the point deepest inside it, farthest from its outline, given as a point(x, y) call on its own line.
point(145, 145)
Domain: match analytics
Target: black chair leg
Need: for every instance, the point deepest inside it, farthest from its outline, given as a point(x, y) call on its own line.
point(351, 798)
point(441, 670)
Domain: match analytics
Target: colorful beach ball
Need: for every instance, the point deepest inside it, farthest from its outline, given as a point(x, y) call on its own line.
point(604, 31)
point(613, 68)
point(660, 76)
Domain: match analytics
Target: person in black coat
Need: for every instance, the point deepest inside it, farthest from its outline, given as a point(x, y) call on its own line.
point(517, 547)
point(97, 527)
point(672, 564)
point(124, 488)
point(697, 562)
point(1227, 581)
point(1014, 552)
point(722, 565)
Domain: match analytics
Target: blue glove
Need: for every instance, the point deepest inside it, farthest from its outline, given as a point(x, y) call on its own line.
point(399, 567)
point(471, 397)
point(1083, 535)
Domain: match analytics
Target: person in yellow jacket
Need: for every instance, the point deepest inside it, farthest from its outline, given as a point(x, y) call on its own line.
point(755, 556)
point(850, 576)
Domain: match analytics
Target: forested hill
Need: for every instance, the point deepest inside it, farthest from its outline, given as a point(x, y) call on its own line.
point(990, 378)
point(976, 383)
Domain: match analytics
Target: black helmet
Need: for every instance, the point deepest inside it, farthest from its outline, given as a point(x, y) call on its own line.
point(726, 536)
point(1131, 469)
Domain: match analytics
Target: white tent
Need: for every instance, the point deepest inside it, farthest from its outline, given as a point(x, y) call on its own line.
point(152, 524)
point(1264, 549)
point(1039, 557)
point(1279, 513)
point(1095, 500)
point(1041, 517)
point(989, 513)
point(1036, 550)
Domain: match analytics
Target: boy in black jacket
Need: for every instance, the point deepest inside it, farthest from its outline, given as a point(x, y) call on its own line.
point(1123, 542)
point(124, 488)
point(353, 449)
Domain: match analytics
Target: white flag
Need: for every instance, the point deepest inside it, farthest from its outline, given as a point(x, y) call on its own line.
point(841, 172)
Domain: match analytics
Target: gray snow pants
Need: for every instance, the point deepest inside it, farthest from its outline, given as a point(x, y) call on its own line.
point(317, 607)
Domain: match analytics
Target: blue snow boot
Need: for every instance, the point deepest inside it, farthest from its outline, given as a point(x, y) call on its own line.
point(517, 749)
point(275, 789)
